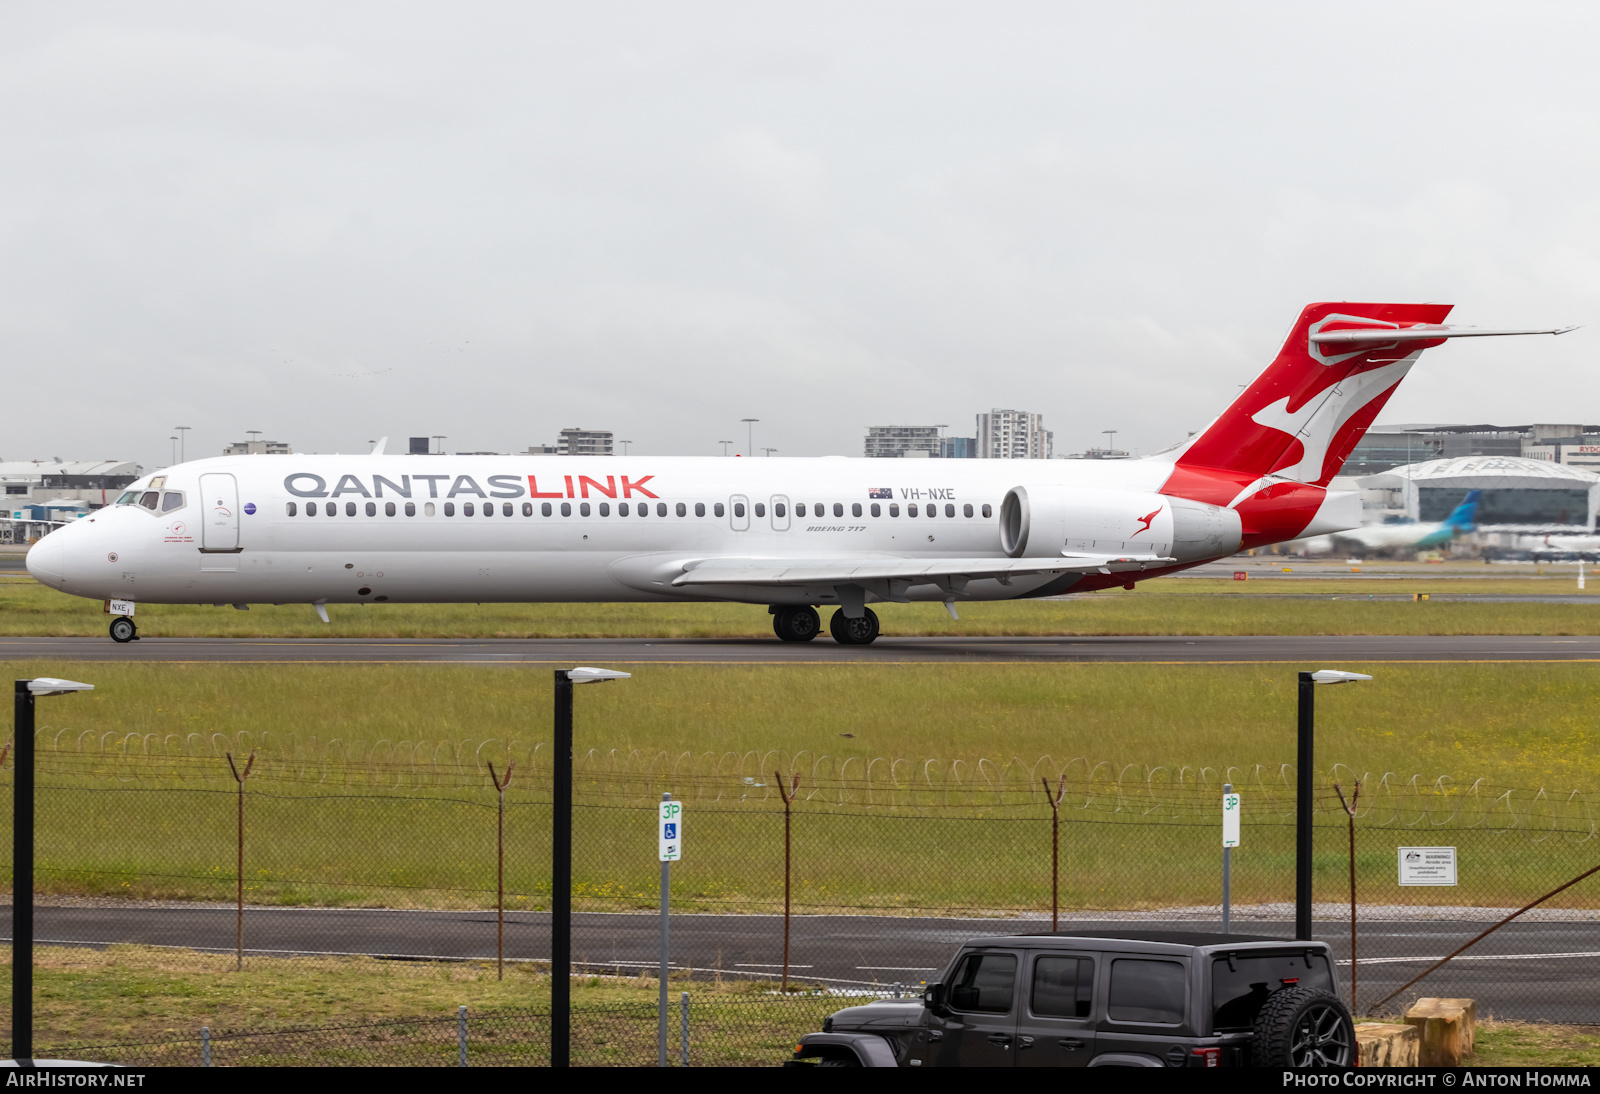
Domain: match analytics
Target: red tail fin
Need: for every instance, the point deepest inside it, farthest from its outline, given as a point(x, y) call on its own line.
point(1290, 431)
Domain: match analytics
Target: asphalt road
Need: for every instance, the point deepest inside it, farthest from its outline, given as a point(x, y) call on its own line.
point(1312, 650)
point(1537, 970)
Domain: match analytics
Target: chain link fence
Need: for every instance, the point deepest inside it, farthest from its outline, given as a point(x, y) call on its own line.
point(365, 871)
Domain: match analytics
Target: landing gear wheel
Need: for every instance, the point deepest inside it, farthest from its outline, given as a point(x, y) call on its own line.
point(853, 632)
point(1304, 1027)
point(123, 630)
point(796, 624)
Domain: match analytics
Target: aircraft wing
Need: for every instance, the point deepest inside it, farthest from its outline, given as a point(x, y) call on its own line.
point(939, 571)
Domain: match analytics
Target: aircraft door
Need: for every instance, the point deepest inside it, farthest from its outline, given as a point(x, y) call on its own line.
point(739, 513)
point(219, 513)
point(780, 513)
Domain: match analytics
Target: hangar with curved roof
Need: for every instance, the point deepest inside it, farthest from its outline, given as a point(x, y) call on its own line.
point(1515, 490)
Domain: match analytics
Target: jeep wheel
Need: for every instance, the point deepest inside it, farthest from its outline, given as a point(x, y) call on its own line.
point(1304, 1027)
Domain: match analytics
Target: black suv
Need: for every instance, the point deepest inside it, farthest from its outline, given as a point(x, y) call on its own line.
point(1115, 999)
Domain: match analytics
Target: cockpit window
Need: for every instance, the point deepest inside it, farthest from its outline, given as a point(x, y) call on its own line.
point(149, 499)
point(129, 498)
point(171, 500)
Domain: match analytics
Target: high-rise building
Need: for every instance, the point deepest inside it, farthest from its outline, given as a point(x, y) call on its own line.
point(258, 448)
point(584, 442)
point(959, 448)
point(902, 440)
point(1014, 435)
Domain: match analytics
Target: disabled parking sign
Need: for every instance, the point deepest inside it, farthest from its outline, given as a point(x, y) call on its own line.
point(670, 841)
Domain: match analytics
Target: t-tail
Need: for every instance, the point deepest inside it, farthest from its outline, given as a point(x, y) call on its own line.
point(1462, 518)
point(1273, 452)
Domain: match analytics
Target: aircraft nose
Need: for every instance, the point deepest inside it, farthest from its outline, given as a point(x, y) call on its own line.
point(47, 559)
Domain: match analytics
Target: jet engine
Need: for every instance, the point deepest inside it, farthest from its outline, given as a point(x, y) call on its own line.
point(1042, 521)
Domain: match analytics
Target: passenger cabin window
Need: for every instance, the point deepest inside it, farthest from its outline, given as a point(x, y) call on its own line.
point(171, 500)
point(683, 510)
point(877, 510)
point(966, 510)
point(566, 508)
point(290, 509)
point(527, 509)
point(583, 508)
point(855, 509)
point(622, 508)
point(987, 511)
point(838, 509)
point(427, 509)
point(799, 508)
point(449, 508)
point(778, 509)
point(984, 984)
point(911, 510)
point(894, 509)
point(349, 508)
point(661, 508)
point(1063, 987)
point(505, 509)
point(1242, 982)
point(330, 508)
point(738, 508)
point(411, 508)
point(372, 508)
point(761, 509)
point(605, 509)
point(717, 510)
point(699, 508)
point(949, 510)
point(466, 509)
point(388, 508)
point(544, 509)
point(1146, 991)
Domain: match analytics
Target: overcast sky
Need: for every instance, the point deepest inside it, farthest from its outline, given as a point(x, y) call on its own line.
point(332, 222)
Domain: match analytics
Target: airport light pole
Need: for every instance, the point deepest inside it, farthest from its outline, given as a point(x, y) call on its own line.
point(27, 691)
point(769, 451)
point(624, 445)
point(174, 441)
point(750, 435)
point(724, 445)
point(183, 441)
point(1305, 786)
point(561, 862)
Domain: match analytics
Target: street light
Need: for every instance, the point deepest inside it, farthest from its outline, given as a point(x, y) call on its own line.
point(22, 857)
point(724, 445)
point(1305, 777)
point(183, 441)
point(624, 445)
point(769, 451)
point(561, 862)
point(750, 435)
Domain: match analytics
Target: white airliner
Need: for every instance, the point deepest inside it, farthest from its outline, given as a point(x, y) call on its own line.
point(794, 534)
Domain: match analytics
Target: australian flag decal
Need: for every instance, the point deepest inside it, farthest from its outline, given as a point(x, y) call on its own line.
point(880, 492)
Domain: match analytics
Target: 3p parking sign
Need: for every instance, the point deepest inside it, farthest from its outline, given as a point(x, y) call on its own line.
point(670, 834)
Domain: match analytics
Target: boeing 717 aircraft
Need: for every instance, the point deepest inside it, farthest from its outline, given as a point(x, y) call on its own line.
point(793, 534)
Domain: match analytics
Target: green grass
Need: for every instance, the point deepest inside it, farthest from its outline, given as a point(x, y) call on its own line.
point(1172, 606)
point(1532, 1044)
point(919, 782)
point(135, 994)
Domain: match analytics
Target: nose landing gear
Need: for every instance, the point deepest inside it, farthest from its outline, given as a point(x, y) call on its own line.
point(800, 624)
point(123, 630)
point(854, 632)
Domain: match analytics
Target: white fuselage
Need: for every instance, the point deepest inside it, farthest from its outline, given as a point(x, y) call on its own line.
point(397, 529)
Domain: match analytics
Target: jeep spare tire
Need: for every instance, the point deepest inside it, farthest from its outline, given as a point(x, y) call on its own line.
point(1304, 1027)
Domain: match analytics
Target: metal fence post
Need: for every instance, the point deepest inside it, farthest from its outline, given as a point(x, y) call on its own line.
point(1304, 790)
point(238, 960)
point(500, 869)
point(683, 1033)
point(461, 1035)
point(205, 1046)
point(788, 797)
point(561, 877)
point(666, 955)
point(1055, 846)
point(22, 877)
point(1350, 808)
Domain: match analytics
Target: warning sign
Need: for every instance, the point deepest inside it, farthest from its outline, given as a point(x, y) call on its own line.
point(1427, 866)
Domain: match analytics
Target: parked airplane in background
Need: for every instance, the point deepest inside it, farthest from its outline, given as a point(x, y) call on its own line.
point(1421, 536)
point(794, 534)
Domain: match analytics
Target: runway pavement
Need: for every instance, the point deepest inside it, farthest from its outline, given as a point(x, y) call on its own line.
point(1310, 650)
point(1537, 970)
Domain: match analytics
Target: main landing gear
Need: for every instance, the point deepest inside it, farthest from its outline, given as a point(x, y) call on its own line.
point(123, 630)
point(802, 624)
point(854, 632)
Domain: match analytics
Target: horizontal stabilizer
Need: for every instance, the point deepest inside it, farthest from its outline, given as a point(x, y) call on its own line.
point(838, 571)
point(1421, 333)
